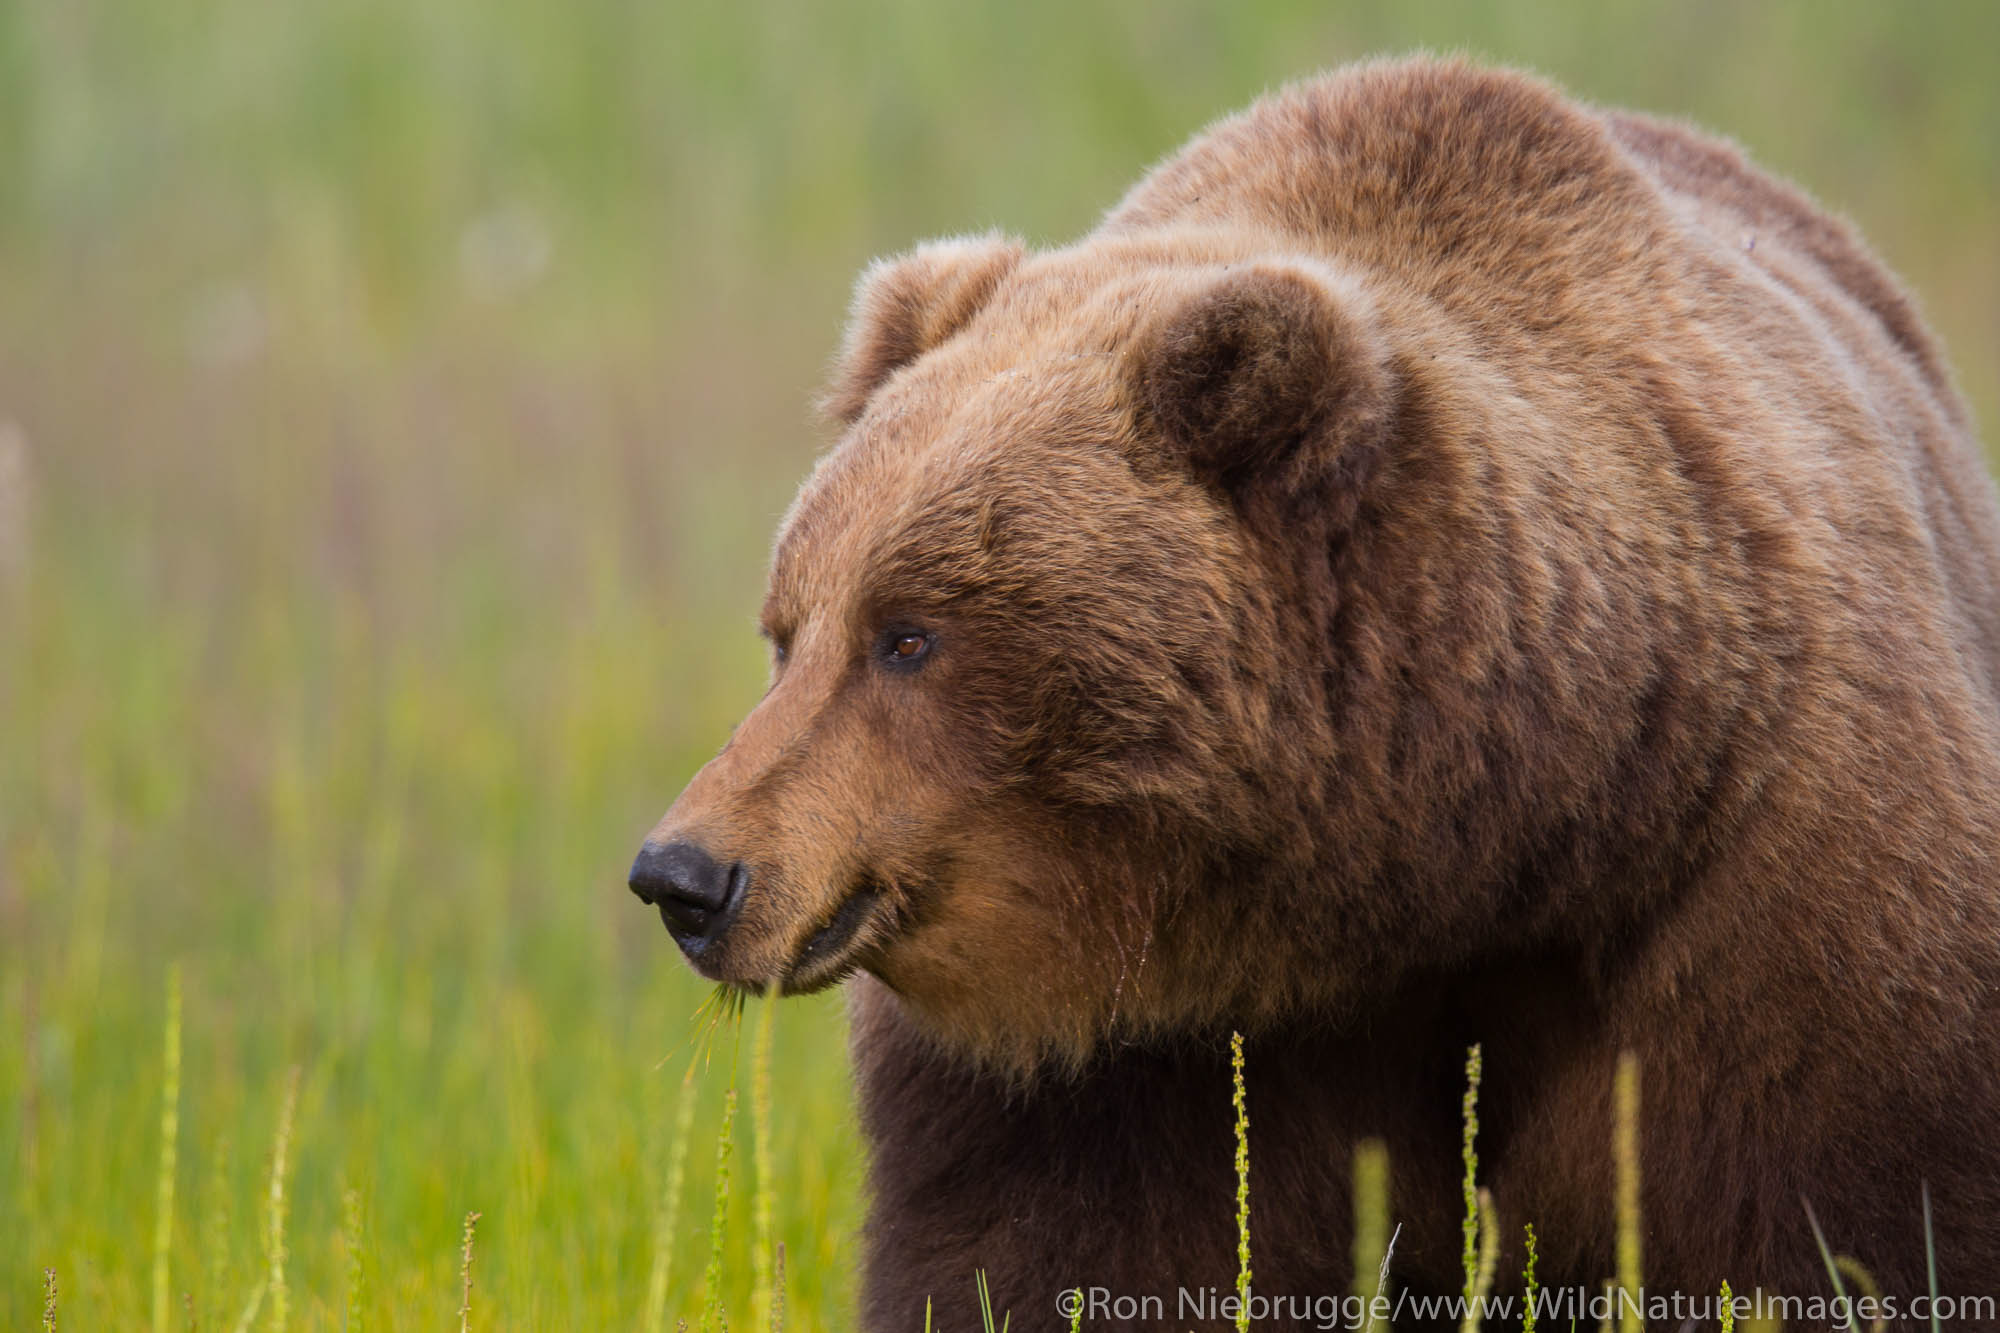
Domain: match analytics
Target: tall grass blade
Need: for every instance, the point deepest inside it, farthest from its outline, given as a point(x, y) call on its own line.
point(1930, 1260)
point(1489, 1263)
point(711, 1310)
point(1469, 1155)
point(1625, 1150)
point(1870, 1289)
point(1381, 1281)
point(274, 1218)
point(1371, 1217)
point(1239, 1100)
point(49, 1301)
point(215, 1227)
point(170, 1133)
point(1528, 1311)
point(352, 1227)
point(985, 1307)
point(670, 1203)
point(760, 1152)
point(778, 1289)
point(253, 1305)
point(465, 1274)
point(1832, 1268)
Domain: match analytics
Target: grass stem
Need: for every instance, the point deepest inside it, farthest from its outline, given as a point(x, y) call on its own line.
point(1528, 1310)
point(1489, 1264)
point(1625, 1150)
point(1240, 1101)
point(251, 1306)
point(1930, 1261)
point(670, 1203)
point(711, 1310)
point(1832, 1267)
point(778, 1289)
point(465, 1274)
point(215, 1227)
point(355, 1236)
point(170, 1132)
point(985, 1306)
point(1469, 1155)
point(1371, 1217)
point(760, 1153)
point(274, 1219)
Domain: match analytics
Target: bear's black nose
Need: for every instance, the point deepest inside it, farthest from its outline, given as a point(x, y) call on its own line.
point(696, 894)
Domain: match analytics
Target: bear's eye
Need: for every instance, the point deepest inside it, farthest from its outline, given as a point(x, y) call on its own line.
point(906, 646)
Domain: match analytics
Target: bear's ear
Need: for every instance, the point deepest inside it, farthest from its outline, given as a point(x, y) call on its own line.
point(907, 305)
point(1256, 364)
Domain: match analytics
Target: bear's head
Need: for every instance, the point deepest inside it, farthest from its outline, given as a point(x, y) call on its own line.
point(1052, 745)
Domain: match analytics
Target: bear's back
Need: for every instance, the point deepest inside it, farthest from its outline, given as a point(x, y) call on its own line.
point(1835, 283)
point(1453, 178)
point(1616, 267)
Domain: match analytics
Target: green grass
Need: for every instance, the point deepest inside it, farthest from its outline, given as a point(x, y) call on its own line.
point(1625, 1156)
point(1237, 1100)
point(400, 398)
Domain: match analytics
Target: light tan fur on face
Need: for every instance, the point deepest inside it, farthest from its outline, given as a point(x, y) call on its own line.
point(923, 784)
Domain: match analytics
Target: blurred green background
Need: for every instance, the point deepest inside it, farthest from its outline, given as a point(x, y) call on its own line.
point(396, 400)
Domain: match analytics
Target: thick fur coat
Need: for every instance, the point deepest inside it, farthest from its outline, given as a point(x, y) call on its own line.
point(1438, 564)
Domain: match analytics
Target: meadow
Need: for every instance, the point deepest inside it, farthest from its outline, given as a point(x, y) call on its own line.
point(396, 400)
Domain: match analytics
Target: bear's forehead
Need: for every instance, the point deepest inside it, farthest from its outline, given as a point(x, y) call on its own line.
point(1022, 418)
point(954, 456)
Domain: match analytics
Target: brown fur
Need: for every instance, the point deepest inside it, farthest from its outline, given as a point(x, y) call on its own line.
point(1439, 563)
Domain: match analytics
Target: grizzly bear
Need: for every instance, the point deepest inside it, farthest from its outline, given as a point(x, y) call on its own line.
point(1439, 564)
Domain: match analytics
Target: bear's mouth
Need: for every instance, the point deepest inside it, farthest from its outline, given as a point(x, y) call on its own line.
point(833, 952)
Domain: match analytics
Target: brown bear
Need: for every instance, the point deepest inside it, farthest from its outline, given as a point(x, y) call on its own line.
point(1439, 564)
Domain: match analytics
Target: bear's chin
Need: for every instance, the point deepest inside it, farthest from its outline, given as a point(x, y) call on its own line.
point(1018, 1032)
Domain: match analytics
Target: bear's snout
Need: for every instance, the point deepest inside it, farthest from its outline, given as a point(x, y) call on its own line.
point(697, 895)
